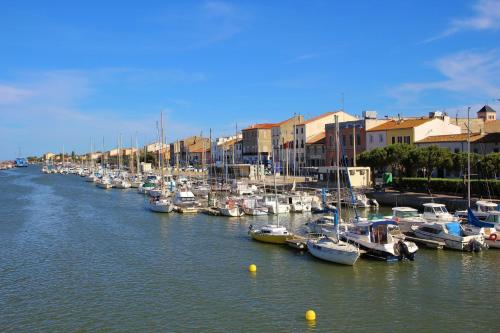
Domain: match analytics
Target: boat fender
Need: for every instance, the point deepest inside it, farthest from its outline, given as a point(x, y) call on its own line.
point(493, 237)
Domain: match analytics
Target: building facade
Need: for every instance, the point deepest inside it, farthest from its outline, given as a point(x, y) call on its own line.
point(352, 136)
point(257, 144)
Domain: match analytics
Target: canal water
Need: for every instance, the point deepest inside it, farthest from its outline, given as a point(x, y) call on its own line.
point(76, 258)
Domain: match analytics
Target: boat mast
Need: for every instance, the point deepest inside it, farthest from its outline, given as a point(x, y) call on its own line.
point(337, 136)
point(131, 159)
point(468, 157)
point(276, 196)
point(161, 155)
point(138, 157)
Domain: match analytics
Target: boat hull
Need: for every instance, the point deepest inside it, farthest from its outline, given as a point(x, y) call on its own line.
point(269, 238)
point(335, 255)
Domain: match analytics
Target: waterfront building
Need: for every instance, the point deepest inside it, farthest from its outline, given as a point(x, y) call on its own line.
point(352, 137)
point(283, 136)
point(188, 150)
point(408, 131)
point(310, 131)
point(48, 156)
point(227, 148)
point(315, 151)
point(455, 143)
point(257, 145)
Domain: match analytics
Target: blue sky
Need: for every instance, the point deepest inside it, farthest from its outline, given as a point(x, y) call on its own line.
point(71, 72)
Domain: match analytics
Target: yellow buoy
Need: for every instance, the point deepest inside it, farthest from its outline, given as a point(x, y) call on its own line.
point(252, 268)
point(310, 315)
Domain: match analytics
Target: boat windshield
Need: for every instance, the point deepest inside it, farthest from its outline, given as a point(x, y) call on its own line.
point(440, 210)
point(487, 208)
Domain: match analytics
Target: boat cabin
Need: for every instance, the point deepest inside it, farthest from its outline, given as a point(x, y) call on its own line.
point(405, 212)
point(379, 232)
point(435, 211)
point(484, 206)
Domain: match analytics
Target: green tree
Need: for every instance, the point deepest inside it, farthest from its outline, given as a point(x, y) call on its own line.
point(433, 157)
point(398, 156)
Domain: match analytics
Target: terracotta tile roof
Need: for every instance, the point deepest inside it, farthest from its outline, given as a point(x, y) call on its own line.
point(326, 114)
point(450, 138)
point(260, 126)
point(399, 124)
point(316, 138)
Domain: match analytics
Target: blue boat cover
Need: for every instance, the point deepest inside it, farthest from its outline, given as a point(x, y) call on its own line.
point(453, 228)
point(476, 222)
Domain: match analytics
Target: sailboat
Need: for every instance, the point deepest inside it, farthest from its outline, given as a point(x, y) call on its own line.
point(487, 229)
point(161, 203)
point(332, 248)
point(274, 234)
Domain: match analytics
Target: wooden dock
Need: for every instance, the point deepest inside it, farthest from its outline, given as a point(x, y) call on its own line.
point(186, 210)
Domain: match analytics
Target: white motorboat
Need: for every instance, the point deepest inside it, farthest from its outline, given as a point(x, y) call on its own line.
point(254, 206)
point(183, 198)
point(407, 218)
point(121, 183)
point(299, 203)
point(484, 208)
point(380, 239)
point(231, 209)
point(104, 182)
point(136, 182)
point(434, 212)
point(278, 208)
point(452, 234)
point(333, 250)
point(160, 204)
point(92, 178)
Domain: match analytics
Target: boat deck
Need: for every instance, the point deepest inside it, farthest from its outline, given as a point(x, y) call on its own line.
point(426, 242)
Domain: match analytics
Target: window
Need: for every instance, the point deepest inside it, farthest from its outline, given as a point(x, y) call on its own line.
point(343, 140)
point(358, 139)
point(400, 139)
point(297, 143)
point(350, 139)
point(371, 138)
point(393, 140)
point(302, 130)
point(457, 150)
point(296, 130)
point(407, 139)
point(301, 143)
point(380, 138)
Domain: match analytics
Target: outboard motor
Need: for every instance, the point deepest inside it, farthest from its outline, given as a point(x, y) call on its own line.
point(476, 246)
point(406, 252)
point(402, 252)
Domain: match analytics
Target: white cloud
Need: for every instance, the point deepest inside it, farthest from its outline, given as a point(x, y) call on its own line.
point(48, 111)
point(11, 94)
point(486, 17)
point(465, 73)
